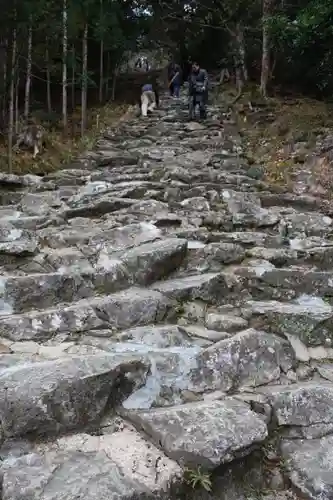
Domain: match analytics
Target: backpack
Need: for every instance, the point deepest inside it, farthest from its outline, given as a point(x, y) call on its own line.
point(147, 87)
point(199, 87)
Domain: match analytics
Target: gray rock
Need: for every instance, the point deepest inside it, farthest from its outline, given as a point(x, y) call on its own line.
point(153, 261)
point(310, 321)
point(214, 256)
point(246, 210)
point(224, 253)
point(204, 333)
point(132, 307)
point(225, 322)
point(220, 431)
point(209, 287)
point(97, 206)
point(22, 293)
point(162, 336)
point(19, 248)
point(310, 466)
point(304, 410)
point(137, 459)
point(198, 204)
point(69, 476)
point(169, 377)
point(278, 256)
point(64, 394)
point(41, 203)
point(248, 359)
point(286, 283)
point(245, 238)
point(307, 224)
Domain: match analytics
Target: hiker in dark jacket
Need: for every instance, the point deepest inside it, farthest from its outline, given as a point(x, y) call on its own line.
point(171, 67)
point(176, 80)
point(198, 91)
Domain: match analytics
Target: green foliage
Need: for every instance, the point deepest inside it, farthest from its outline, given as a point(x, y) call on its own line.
point(197, 478)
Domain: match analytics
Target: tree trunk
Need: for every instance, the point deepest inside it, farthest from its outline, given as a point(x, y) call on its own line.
point(48, 79)
point(84, 79)
point(239, 56)
point(5, 93)
point(64, 65)
point(101, 71)
point(101, 59)
point(73, 77)
point(241, 51)
point(114, 83)
point(28, 75)
point(265, 59)
point(17, 108)
point(107, 75)
point(11, 102)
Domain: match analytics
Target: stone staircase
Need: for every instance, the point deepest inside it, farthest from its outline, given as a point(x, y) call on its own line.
point(161, 308)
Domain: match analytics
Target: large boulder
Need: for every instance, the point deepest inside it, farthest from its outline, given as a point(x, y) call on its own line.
point(64, 394)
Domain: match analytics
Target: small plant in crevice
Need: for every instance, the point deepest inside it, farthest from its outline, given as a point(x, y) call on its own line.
point(198, 478)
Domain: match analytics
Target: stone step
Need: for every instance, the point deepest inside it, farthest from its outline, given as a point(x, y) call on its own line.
point(265, 281)
point(117, 237)
point(141, 265)
point(129, 308)
point(308, 319)
point(32, 395)
point(220, 431)
point(136, 281)
point(120, 464)
point(208, 287)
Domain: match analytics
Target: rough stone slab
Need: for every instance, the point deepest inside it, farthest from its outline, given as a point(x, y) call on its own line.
point(104, 204)
point(300, 224)
point(65, 260)
point(116, 238)
point(246, 209)
point(16, 242)
point(22, 293)
point(286, 284)
point(15, 181)
point(159, 336)
point(116, 158)
point(310, 466)
point(277, 256)
point(311, 321)
point(132, 307)
point(18, 248)
point(248, 359)
point(225, 322)
point(153, 261)
point(200, 332)
point(304, 409)
point(169, 377)
point(123, 445)
point(8, 232)
point(128, 236)
point(69, 476)
point(41, 203)
point(204, 433)
point(64, 394)
point(110, 272)
point(245, 238)
point(210, 287)
point(213, 256)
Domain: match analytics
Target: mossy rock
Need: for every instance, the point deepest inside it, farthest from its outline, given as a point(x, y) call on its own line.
point(256, 172)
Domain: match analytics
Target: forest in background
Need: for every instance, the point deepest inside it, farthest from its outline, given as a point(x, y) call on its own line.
point(58, 60)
